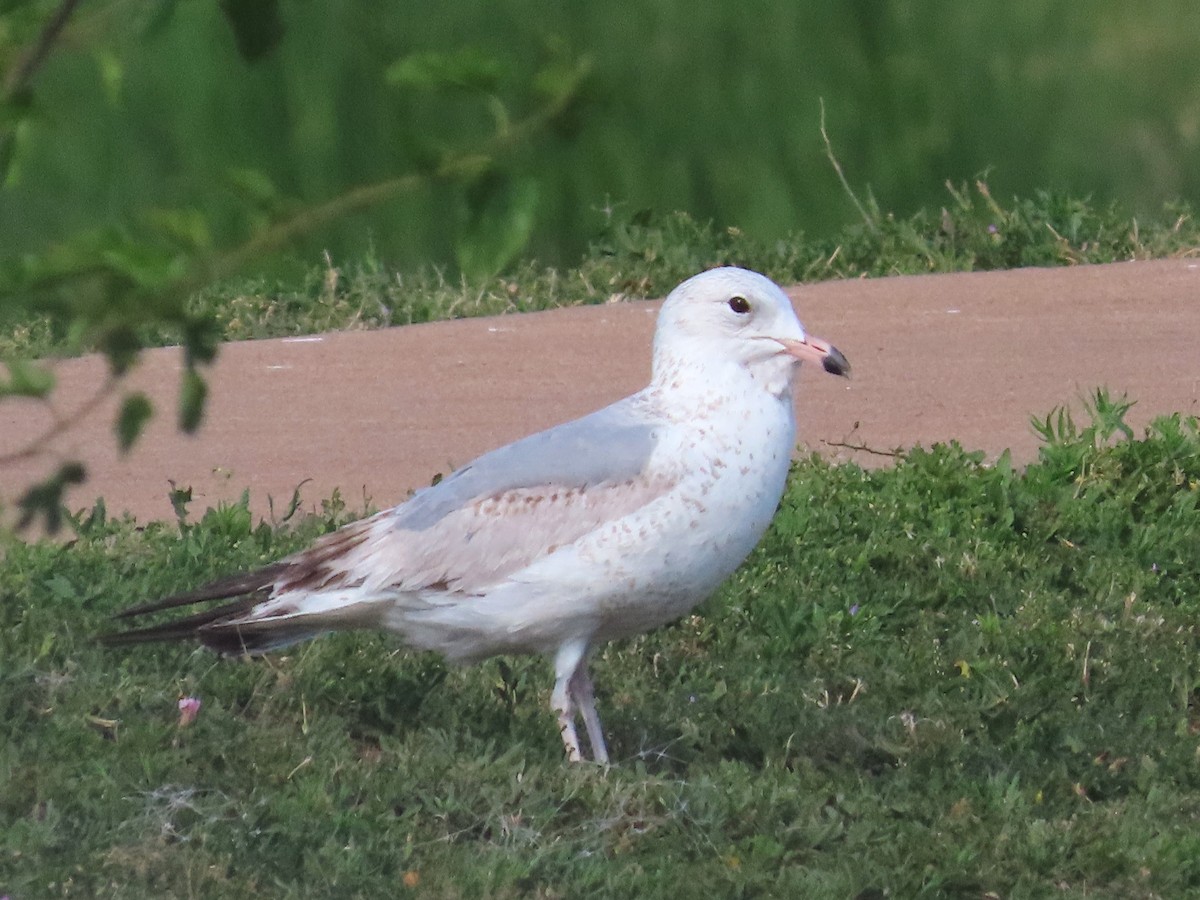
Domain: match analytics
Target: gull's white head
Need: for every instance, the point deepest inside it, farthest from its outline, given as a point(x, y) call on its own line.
point(735, 316)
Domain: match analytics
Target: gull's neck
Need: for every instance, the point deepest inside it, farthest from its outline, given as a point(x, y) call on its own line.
point(705, 379)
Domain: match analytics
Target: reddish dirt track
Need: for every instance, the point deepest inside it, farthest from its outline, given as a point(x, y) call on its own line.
point(967, 357)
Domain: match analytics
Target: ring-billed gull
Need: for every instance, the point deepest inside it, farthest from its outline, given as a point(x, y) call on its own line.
point(600, 528)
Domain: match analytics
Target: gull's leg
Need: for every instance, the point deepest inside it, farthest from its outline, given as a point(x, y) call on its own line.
point(584, 696)
point(567, 660)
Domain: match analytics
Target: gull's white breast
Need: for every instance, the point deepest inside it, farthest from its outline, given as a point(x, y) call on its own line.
point(728, 467)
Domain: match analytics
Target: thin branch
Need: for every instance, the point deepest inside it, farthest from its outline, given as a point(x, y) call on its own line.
point(20, 74)
point(844, 445)
point(61, 424)
point(282, 232)
point(365, 196)
point(18, 77)
point(841, 175)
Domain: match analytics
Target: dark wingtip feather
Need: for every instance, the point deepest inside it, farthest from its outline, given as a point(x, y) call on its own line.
point(221, 589)
point(187, 628)
point(215, 627)
point(248, 588)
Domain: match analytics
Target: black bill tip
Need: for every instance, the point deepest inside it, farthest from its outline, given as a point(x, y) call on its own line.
point(835, 363)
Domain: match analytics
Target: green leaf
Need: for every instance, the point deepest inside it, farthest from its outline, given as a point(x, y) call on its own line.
point(112, 75)
point(162, 17)
point(144, 265)
point(14, 153)
point(16, 109)
point(136, 411)
point(180, 498)
point(186, 227)
point(26, 379)
point(255, 186)
point(192, 395)
point(80, 254)
point(293, 505)
point(256, 25)
point(501, 213)
point(121, 345)
point(201, 338)
point(61, 587)
point(46, 497)
point(16, 116)
point(560, 78)
point(469, 69)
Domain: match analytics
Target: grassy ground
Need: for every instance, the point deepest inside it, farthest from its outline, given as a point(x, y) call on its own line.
point(647, 255)
point(935, 680)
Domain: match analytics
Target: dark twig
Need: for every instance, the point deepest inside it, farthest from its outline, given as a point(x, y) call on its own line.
point(454, 167)
point(844, 445)
point(20, 74)
point(60, 425)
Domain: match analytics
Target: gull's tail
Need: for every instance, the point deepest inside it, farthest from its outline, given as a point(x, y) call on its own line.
point(291, 600)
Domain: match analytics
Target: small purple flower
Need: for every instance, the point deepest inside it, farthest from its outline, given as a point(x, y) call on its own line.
point(992, 229)
point(854, 610)
point(189, 708)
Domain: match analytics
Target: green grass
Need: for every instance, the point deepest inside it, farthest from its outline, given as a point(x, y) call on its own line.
point(940, 679)
point(646, 255)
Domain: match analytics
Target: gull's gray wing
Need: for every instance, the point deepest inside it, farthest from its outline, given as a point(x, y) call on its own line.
point(470, 531)
point(495, 515)
point(610, 445)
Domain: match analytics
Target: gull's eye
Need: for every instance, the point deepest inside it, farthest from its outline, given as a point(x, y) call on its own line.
point(739, 305)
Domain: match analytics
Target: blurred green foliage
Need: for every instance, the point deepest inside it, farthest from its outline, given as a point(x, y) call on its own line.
point(105, 278)
point(712, 110)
